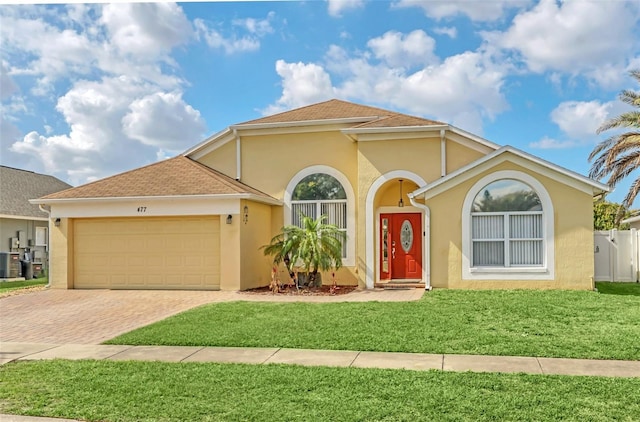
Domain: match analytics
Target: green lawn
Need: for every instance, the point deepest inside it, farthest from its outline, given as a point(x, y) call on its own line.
point(570, 324)
point(7, 286)
point(632, 289)
point(146, 391)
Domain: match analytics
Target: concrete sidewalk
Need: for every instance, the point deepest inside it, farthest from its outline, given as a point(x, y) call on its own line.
point(10, 351)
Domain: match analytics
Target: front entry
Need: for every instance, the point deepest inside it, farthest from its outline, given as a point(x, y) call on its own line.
point(401, 246)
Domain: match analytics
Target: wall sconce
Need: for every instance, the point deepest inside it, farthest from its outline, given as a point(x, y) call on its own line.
point(401, 202)
point(56, 222)
point(245, 215)
point(229, 219)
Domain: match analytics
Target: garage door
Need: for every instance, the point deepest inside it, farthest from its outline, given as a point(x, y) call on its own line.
point(147, 253)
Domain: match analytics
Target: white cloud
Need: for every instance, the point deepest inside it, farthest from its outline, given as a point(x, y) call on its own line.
point(163, 120)
point(449, 31)
point(549, 143)
point(147, 30)
point(475, 10)
point(336, 7)
point(302, 84)
point(464, 89)
point(404, 50)
point(260, 27)
point(7, 86)
point(580, 119)
point(229, 45)
point(573, 37)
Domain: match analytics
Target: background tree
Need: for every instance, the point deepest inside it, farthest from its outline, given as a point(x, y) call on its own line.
point(619, 155)
point(318, 186)
point(605, 214)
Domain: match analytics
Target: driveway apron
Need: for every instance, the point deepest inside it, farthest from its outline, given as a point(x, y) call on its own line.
point(90, 316)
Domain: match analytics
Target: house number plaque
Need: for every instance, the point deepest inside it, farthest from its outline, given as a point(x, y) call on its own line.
point(406, 236)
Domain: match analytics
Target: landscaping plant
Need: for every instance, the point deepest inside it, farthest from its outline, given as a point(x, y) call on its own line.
point(314, 246)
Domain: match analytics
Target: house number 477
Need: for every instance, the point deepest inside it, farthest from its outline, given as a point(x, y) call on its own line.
point(142, 209)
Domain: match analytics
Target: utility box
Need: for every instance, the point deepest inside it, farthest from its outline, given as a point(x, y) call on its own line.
point(10, 266)
point(38, 270)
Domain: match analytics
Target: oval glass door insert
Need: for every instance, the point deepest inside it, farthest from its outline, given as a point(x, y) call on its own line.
point(406, 236)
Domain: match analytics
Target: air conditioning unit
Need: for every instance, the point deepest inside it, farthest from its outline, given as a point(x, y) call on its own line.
point(10, 266)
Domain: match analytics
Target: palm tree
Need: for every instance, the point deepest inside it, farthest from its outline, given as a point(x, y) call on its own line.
point(315, 246)
point(619, 155)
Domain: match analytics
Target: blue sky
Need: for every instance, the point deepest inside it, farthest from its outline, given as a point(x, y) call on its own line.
point(93, 90)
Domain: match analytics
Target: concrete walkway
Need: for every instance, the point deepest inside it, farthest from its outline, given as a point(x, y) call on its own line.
point(10, 351)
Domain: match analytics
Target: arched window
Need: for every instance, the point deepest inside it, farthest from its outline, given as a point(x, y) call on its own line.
point(508, 228)
point(323, 190)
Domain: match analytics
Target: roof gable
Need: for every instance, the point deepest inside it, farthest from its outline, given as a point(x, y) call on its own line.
point(17, 187)
point(178, 176)
point(510, 153)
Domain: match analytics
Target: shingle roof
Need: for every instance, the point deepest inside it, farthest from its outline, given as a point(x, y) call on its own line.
point(18, 186)
point(175, 176)
point(338, 109)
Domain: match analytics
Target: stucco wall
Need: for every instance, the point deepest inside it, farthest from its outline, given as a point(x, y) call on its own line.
point(255, 266)
point(222, 159)
point(9, 227)
point(270, 162)
point(61, 255)
point(573, 235)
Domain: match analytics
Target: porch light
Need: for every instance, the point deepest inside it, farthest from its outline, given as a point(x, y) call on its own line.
point(56, 222)
point(401, 202)
point(245, 215)
point(229, 219)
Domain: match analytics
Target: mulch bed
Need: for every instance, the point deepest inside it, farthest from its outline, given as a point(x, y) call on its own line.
point(292, 291)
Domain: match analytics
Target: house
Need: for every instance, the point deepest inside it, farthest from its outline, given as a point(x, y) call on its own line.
point(420, 201)
point(23, 226)
point(634, 222)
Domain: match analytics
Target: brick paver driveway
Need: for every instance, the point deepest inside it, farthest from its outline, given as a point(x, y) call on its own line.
point(90, 316)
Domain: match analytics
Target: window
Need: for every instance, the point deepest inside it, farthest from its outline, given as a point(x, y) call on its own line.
point(506, 226)
point(507, 229)
point(323, 190)
point(41, 236)
point(320, 194)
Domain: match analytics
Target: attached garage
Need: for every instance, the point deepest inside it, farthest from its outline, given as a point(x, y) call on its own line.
point(147, 253)
point(175, 224)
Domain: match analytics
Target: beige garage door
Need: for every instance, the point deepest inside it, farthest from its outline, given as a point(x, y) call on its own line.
point(147, 253)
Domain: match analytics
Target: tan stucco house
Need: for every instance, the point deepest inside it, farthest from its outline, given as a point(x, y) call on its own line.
point(24, 227)
point(420, 201)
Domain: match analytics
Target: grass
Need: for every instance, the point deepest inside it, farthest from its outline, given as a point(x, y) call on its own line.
point(7, 286)
point(146, 391)
point(572, 324)
point(630, 289)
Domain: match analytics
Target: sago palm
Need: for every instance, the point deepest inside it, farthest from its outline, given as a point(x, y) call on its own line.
point(315, 246)
point(619, 155)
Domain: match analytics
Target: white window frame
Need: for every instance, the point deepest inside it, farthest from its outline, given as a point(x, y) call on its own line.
point(350, 259)
point(539, 272)
point(46, 236)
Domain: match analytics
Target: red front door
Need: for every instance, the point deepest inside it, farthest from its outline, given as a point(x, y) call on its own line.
point(400, 246)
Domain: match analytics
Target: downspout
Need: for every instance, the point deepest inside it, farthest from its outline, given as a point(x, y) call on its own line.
point(49, 272)
point(427, 243)
point(238, 156)
point(443, 154)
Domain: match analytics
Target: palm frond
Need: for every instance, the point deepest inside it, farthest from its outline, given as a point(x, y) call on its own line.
point(627, 119)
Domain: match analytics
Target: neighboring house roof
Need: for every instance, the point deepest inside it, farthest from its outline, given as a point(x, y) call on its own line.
point(18, 186)
point(558, 173)
point(630, 220)
point(338, 109)
point(178, 176)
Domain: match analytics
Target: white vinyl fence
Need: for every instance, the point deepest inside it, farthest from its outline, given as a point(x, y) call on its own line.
point(617, 255)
